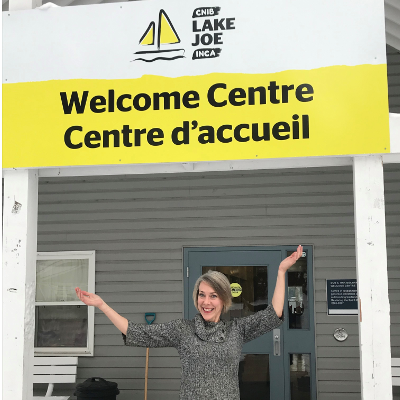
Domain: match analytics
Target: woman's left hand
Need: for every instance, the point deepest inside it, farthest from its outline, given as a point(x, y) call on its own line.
point(289, 261)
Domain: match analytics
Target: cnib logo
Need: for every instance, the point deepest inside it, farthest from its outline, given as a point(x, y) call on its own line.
point(209, 31)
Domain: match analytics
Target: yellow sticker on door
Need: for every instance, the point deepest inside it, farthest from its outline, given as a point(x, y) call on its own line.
point(236, 289)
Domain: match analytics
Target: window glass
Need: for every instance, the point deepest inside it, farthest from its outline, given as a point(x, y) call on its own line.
point(300, 385)
point(61, 326)
point(254, 380)
point(252, 289)
point(298, 308)
point(56, 280)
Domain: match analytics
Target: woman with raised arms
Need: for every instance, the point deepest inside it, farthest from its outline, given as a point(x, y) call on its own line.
point(209, 347)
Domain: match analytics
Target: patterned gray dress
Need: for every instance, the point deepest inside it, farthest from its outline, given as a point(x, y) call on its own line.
point(209, 352)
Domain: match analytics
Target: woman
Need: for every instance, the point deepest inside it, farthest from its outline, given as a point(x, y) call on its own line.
point(209, 347)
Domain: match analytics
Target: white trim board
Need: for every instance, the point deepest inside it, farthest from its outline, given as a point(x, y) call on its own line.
point(394, 126)
point(209, 166)
point(372, 278)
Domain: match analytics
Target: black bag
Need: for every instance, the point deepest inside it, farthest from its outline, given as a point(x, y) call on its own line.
point(99, 390)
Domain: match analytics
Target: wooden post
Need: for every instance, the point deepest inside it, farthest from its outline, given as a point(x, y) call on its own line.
point(372, 278)
point(146, 374)
point(19, 281)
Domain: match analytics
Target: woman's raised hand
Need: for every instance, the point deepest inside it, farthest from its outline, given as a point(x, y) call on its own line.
point(289, 261)
point(90, 299)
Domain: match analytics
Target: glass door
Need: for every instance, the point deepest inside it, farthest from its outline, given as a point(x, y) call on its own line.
point(266, 370)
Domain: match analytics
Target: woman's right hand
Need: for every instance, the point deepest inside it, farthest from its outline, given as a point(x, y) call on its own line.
point(90, 299)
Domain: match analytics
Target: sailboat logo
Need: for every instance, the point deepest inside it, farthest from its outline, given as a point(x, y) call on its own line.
point(166, 34)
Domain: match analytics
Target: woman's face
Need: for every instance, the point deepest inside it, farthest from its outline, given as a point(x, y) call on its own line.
point(209, 304)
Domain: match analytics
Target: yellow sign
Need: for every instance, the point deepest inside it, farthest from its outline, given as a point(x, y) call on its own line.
point(224, 116)
point(236, 289)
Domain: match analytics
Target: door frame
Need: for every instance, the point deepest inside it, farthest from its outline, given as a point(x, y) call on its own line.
point(187, 297)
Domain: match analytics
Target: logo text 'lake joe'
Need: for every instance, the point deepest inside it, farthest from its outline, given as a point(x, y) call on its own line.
point(207, 28)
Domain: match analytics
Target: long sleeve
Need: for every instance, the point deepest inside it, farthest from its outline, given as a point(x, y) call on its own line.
point(261, 322)
point(155, 335)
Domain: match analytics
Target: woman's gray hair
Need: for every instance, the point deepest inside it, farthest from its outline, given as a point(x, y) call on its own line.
point(220, 283)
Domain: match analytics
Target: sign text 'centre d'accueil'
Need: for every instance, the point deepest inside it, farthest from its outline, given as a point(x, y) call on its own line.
point(200, 87)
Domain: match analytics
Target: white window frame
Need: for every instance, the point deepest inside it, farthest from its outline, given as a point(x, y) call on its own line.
point(71, 351)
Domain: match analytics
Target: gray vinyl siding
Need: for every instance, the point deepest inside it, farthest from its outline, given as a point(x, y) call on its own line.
point(138, 226)
point(392, 180)
point(393, 72)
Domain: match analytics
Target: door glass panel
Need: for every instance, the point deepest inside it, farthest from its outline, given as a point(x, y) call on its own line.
point(254, 381)
point(253, 283)
point(300, 385)
point(61, 326)
point(298, 309)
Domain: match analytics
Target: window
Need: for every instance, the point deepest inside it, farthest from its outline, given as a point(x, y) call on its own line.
point(63, 324)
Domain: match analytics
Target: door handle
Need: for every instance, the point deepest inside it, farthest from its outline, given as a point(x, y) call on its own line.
point(277, 342)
